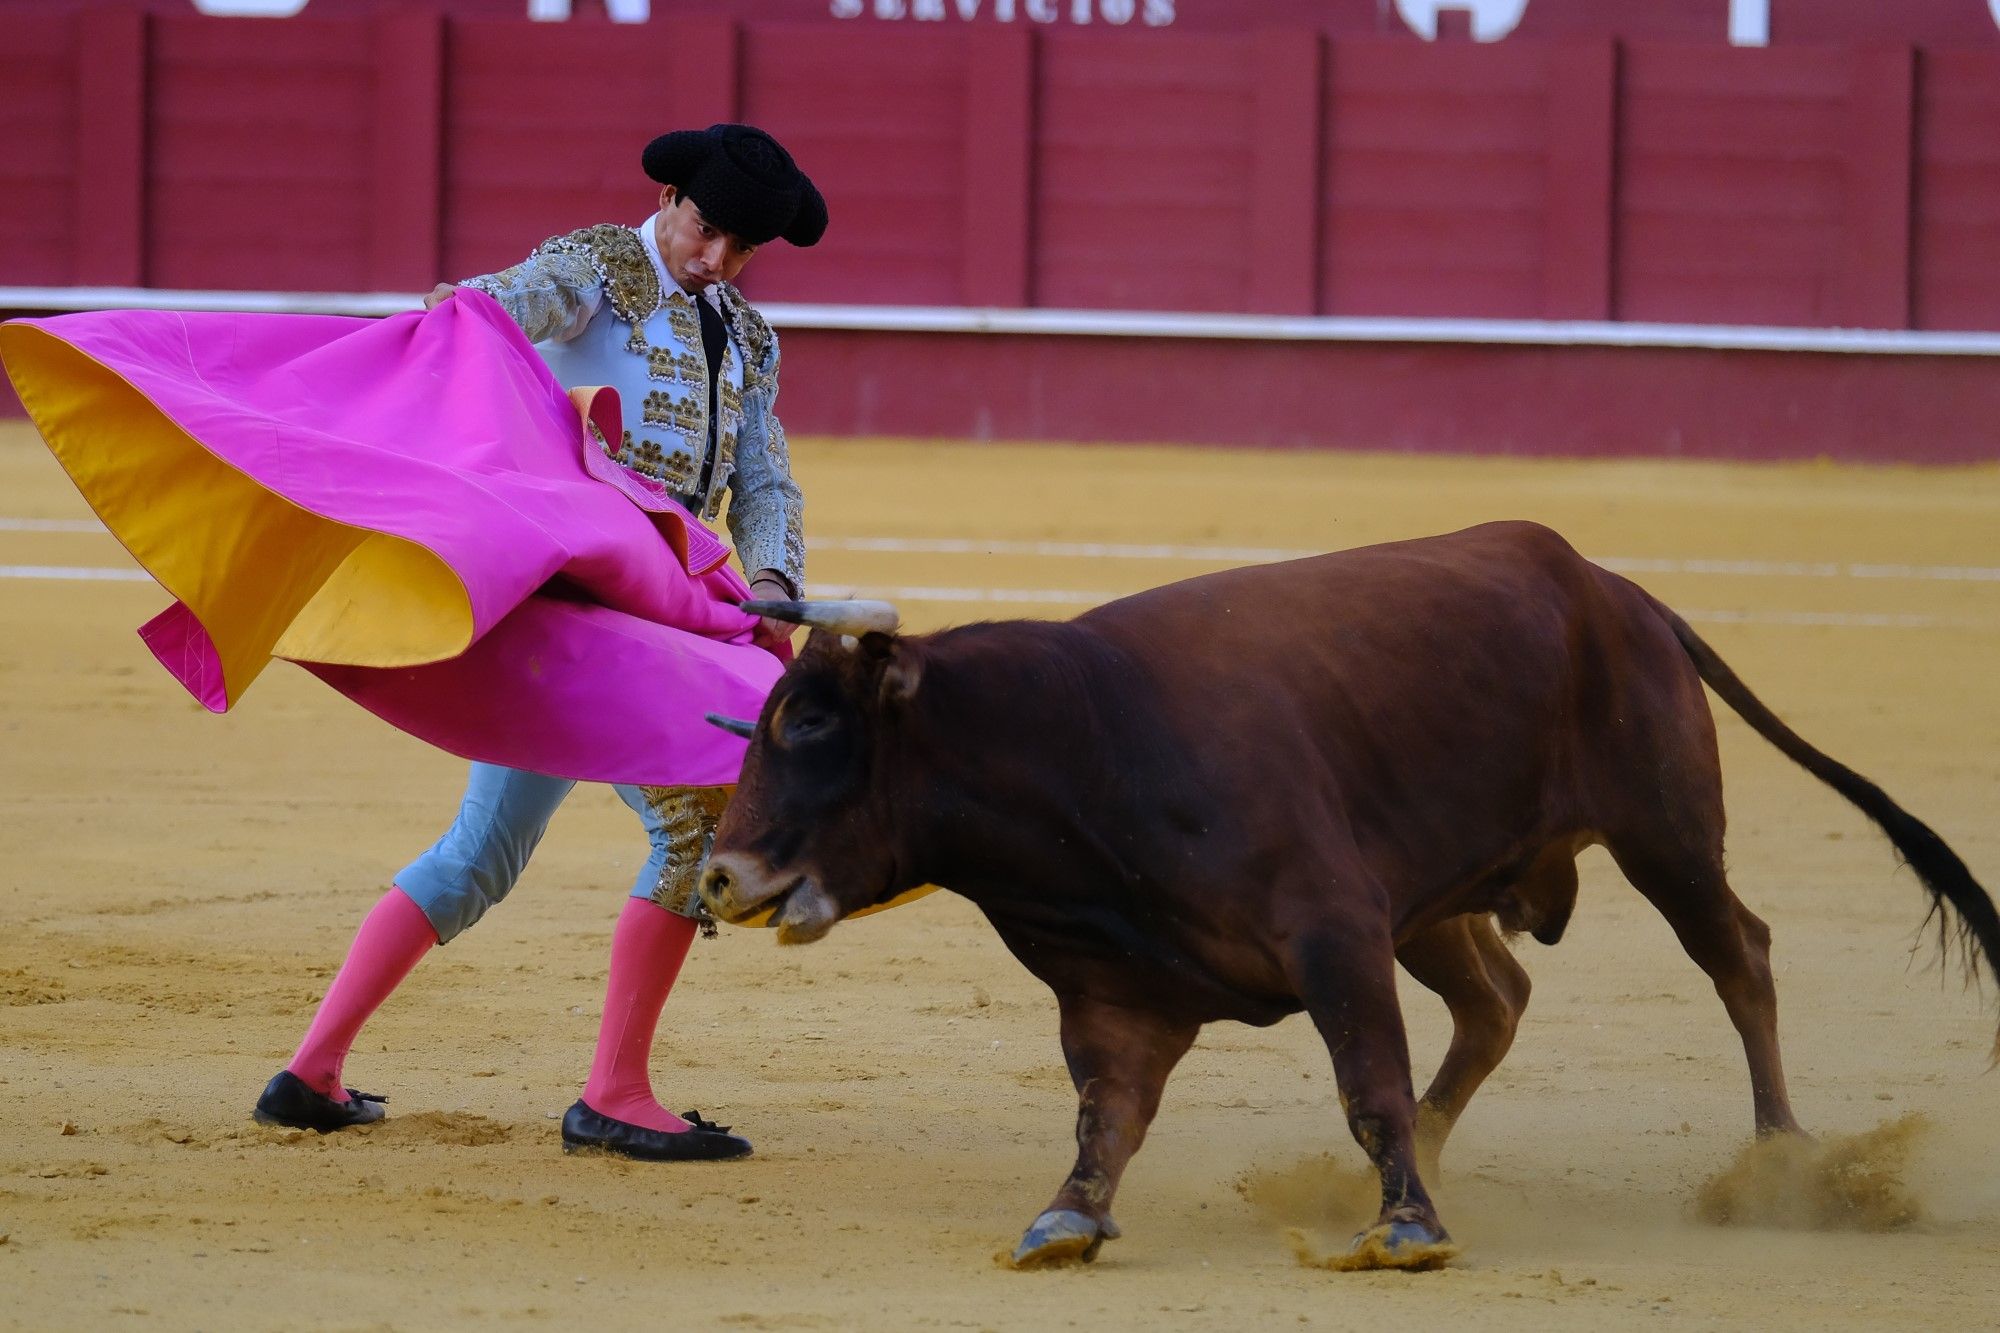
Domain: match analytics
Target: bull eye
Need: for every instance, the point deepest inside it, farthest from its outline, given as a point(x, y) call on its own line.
point(807, 724)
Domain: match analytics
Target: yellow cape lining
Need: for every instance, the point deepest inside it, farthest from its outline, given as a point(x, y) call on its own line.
point(263, 576)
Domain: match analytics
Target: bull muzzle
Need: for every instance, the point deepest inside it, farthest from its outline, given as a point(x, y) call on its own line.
point(742, 890)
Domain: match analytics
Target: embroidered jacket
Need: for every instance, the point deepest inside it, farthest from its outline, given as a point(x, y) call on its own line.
point(596, 307)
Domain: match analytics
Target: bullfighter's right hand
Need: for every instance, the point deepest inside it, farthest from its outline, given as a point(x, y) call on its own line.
point(441, 292)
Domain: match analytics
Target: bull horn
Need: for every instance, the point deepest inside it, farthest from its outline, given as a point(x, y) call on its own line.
point(735, 726)
point(855, 618)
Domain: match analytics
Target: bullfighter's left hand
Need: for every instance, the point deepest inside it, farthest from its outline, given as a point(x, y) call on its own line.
point(768, 586)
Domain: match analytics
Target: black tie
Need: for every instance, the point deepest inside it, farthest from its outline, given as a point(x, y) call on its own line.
point(714, 337)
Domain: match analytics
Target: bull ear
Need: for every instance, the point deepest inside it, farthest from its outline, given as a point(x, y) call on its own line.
point(902, 673)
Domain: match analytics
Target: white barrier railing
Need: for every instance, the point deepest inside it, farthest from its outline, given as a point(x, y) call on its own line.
point(1112, 323)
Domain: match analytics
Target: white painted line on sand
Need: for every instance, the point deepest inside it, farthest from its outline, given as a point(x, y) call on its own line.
point(1080, 597)
point(1226, 554)
point(1032, 596)
point(50, 525)
point(1846, 619)
point(1265, 554)
point(1065, 550)
point(1802, 570)
point(93, 573)
point(1097, 597)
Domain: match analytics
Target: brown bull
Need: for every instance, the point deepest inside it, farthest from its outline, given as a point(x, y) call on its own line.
point(1253, 792)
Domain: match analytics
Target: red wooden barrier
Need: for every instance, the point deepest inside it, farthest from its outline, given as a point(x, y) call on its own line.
point(39, 148)
point(1437, 165)
point(880, 122)
point(1408, 397)
point(1790, 22)
point(259, 158)
point(1956, 243)
point(1273, 172)
point(1203, 167)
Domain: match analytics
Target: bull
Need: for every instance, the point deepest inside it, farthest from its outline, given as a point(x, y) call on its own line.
point(1255, 792)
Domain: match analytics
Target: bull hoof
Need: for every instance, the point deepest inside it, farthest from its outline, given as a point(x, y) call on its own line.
point(1412, 1246)
point(1399, 1235)
point(1061, 1236)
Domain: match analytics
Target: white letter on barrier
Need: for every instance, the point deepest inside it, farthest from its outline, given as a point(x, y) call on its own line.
point(253, 9)
point(1491, 19)
point(1750, 22)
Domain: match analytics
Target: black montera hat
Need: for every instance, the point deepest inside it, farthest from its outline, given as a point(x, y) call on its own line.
point(742, 180)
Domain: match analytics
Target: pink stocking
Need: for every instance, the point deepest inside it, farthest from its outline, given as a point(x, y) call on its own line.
point(391, 940)
point(647, 950)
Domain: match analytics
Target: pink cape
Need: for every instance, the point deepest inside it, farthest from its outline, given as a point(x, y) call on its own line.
point(411, 509)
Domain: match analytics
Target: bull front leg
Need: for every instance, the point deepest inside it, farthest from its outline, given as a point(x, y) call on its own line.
point(1345, 971)
point(1119, 1060)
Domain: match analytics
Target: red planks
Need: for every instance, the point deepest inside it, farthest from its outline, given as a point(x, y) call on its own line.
point(110, 221)
point(1478, 398)
point(543, 126)
point(1436, 180)
point(1792, 22)
point(1289, 68)
point(1873, 290)
point(1082, 166)
point(38, 147)
point(1956, 245)
point(408, 147)
point(995, 257)
point(1733, 184)
point(1145, 172)
point(878, 120)
point(1578, 205)
point(260, 154)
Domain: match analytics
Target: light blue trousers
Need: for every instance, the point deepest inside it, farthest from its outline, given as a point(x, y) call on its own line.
point(476, 863)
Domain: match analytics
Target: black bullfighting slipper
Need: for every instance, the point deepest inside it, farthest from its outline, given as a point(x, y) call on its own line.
point(585, 1130)
point(288, 1101)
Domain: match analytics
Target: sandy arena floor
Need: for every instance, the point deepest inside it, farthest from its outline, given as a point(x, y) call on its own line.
point(175, 890)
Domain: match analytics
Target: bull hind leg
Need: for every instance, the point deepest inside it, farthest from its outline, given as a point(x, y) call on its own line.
point(1345, 973)
point(1465, 961)
point(1119, 1060)
point(1726, 940)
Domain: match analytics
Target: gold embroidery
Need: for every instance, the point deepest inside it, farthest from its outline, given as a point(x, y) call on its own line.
point(686, 324)
point(677, 470)
point(688, 816)
point(664, 363)
point(645, 456)
point(684, 414)
point(631, 283)
point(649, 459)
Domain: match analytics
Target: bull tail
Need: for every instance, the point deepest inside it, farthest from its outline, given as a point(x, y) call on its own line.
point(1962, 910)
